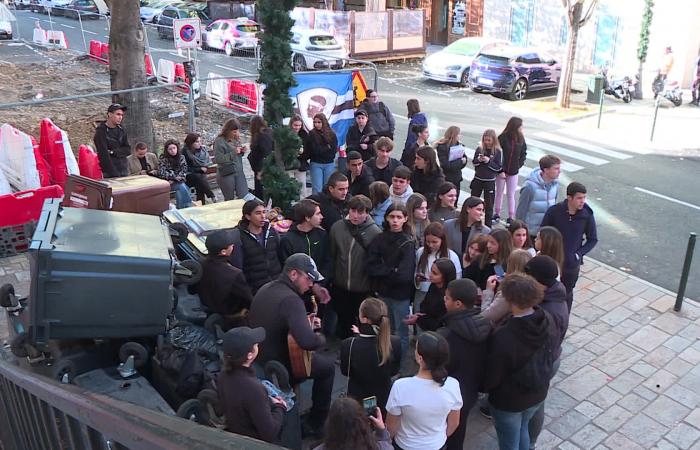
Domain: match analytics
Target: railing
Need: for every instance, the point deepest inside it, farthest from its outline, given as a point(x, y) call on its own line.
point(37, 413)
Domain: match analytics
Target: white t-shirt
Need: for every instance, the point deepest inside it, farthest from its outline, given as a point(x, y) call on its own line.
point(423, 406)
point(425, 285)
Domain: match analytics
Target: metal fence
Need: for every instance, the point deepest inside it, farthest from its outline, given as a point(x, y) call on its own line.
point(37, 413)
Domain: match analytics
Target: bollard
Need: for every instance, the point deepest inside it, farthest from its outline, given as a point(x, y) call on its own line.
point(656, 113)
point(600, 110)
point(685, 271)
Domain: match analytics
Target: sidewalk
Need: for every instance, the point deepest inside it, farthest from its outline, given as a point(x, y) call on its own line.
point(629, 377)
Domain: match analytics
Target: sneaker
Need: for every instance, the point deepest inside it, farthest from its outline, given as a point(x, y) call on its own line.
point(496, 218)
point(508, 222)
point(484, 410)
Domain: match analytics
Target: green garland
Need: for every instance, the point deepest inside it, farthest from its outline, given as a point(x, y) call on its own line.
point(643, 46)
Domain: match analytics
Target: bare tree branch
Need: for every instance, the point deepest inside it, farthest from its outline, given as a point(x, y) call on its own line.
point(589, 12)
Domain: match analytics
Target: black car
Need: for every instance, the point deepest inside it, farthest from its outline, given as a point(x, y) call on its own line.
point(514, 71)
point(85, 9)
point(166, 18)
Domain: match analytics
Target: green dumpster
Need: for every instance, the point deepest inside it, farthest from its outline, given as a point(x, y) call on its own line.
point(595, 87)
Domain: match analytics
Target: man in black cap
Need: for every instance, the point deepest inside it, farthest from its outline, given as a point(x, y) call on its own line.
point(112, 144)
point(279, 309)
point(247, 407)
point(223, 288)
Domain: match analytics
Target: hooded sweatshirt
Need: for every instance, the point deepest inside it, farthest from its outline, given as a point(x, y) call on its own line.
point(392, 264)
point(536, 197)
point(554, 303)
point(313, 243)
point(403, 198)
point(349, 253)
point(572, 229)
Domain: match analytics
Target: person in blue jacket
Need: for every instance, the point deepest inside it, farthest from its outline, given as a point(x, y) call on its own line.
point(575, 221)
point(416, 117)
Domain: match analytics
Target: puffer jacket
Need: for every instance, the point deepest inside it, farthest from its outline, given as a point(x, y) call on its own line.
point(349, 253)
point(259, 263)
point(535, 199)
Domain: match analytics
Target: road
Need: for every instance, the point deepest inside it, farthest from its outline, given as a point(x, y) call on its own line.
point(645, 204)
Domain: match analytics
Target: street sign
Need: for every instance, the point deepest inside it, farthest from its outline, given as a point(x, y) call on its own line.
point(187, 33)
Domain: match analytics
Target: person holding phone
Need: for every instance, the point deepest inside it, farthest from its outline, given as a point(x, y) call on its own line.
point(498, 248)
point(432, 308)
point(350, 426)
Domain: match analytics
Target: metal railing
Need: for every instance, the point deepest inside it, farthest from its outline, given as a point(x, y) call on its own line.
point(37, 413)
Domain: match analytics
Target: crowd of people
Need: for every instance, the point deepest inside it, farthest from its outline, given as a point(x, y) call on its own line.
point(379, 250)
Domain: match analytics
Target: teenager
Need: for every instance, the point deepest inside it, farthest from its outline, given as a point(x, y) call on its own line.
point(445, 206)
point(475, 248)
point(432, 308)
point(172, 167)
point(261, 146)
point(539, 192)
point(463, 229)
point(111, 143)
point(198, 162)
point(487, 162)
point(435, 247)
point(415, 117)
point(361, 136)
point(451, 163)
point(427, 175)
point(320, 147)
point(380, 117)
point(381, 200)
point(514, 148)
point(401, 188)
point(423, 410)
point(297, 125)
point(228, 156)
point(408, 157)
point(383, 165)
point(391, 264)
point(493, 305)
point(371, 357)
point(307, 236)
point(550, 242)
point(417, 207)
point(349, 427)
point(359, 175)
point(521, 236)
point(498, 248)
point(141, 161)
point(333, 200)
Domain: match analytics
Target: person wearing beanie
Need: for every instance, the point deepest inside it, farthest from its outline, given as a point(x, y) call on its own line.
point(361, 136)
point(223, 288)
point(466, 333)
point(247, 407)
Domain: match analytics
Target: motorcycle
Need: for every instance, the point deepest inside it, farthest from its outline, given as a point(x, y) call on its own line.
point(620, 88)
point(670, 90)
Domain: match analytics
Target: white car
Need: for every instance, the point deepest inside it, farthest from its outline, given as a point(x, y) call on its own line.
point(149, 11)
point(316, 49)
point(6, 19)
point(230, 35)
point(45, 6)
point(452, 63)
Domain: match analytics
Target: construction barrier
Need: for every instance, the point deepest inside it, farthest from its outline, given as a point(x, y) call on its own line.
point(56, 150)
point(243, 95)
point(21, 207)
point(150, 68)
point(41, 165)
point(216, 90)
point(95, 50)
point(104, 53)
point(89, 163)
point(40, 36)
point(166, 71)
point(17, 159)
point(181, 77)
point(57, 38)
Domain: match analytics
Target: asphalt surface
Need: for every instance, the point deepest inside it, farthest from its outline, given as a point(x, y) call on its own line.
point(639, 231)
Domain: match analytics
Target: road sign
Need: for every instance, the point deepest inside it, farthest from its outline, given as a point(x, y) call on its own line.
point(187, 33)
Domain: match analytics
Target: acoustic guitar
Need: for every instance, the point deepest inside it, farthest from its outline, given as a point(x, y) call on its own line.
point(300, 359)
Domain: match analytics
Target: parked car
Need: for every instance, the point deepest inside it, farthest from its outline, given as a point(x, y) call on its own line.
point(26, 4)
point(514, 71)
point(316, 49)
point(5, 22)
point(230, 35)
point(150, 11)
point(50, 6)
point(452, 64)
point(180, 11)
point(89, 9)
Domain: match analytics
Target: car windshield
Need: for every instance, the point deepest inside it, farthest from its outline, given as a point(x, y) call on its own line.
point(323, 41)
point(468, 48)
point(492, 60)
point(249, 28)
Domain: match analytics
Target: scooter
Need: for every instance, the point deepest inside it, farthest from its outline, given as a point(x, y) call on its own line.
point(670, 90)
point(620, 88)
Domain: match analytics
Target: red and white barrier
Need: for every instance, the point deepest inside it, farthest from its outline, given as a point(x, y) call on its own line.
point(216, 90)
point(181, 77)
point(89, 163)
point(166, 71)
point(56, 150)
point(57, 38)
point(40, 36)
point(42, 166)
point(243, 95)
point(17, 160)
point(104, 53)
point(150, 68)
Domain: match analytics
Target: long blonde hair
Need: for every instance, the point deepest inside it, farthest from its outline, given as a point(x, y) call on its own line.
point(451, 136)
point(495, 145)
point(517, 260)
point(376, 312)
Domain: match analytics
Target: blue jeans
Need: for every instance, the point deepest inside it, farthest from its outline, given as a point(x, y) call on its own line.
point(320, 173)
point(183, 199)
point(512, 427)
point(398, 310)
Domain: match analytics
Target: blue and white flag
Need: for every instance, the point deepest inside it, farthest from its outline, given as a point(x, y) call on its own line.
point(327, 93)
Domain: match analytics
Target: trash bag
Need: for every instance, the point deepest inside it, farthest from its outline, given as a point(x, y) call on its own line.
point(192, 338)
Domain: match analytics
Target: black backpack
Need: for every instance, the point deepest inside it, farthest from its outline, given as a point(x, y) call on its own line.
point(539, 369)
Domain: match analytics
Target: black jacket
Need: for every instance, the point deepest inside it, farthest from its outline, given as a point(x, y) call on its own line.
point(408, 156)
point(478, 275)
point(573, 229)
point(452, 169)
point(367, 377)
point(392, 264)
point(247, 407)
point(554, 303)
point(466, 333)
point(487, 171)
point(355, 137)
point(112, 148)
point(223, 288)
point(333, 210)
point(314, 243)
point(510, 348)
point(279, 309)
point(319, 149)
point(259, 263)
point(260, 149)
point(427, 184)
point(433, 305)
point(360, 185)
point(386, 173)
point(514, 154)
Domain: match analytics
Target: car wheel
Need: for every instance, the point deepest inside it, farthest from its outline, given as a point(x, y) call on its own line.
point(228, 49)
point(464, 81)
point(299, 64)
point(519, 90)
point(477, 90)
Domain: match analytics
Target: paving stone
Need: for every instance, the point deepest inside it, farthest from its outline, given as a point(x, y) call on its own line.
point(566, 445)
point(645, 316)
point(677, 343)
point(612, 418)
point(588, 436)
point(648, 338)
point(576, 360)
point(610, 299)
point(619, 441)
point(651, 294)
point(691, 332)
point(568, 424)
point(558, 403)
point(694, 418)
point(609, 339)
point(614, 279)
point(666, 411)
point(635, 303)
point(663, 444)
point(671, 322)
point(633, 403)
point(601, 447)
point(590, 312)
point(683, 396)
point(548, 440)
point(582, 337)
point(481, 441)
point(664, 303)
point(588, 409)
point(691, 380)
point(631, 286)
point(660, 357)
point(599, 327)
point(598, 349)
point(643, 430)
point(678, 367)
point(660, 381)
point(691, 355)
point(626, 381)
point(604, 398)
point(617, 359)
point(645, 392)
point(626, 327)
point(643, 368)
point(683, 435)
point(584, 382)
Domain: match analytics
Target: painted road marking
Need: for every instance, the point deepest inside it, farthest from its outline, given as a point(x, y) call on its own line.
point(68, 26)
point(666, 197)
point(583, 145)
point(234, 70)
point(89, 32)
point(534, 155)
point(565, 152)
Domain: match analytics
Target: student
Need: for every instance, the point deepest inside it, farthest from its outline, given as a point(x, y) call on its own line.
point(475, 248)
point(550, 242)
point(493, 305)
point(408, 157)
point(451, 167)
point(172, 167)
point(371, 357)
point(498, 248)
point(539, 192)
point(349, 427)
point(198, 162)
point(487, 162)
point(391, 264)
point(228, 156)
point(514, 148)
point(400, 188)
point(111, 143)
point(380, 118)
point(521, 236)
point(142, 162)
point(361, 136)
point(333, 200)
point(416, 117)
point(423, 410)
point(297, 125)
point(359, 175)
point(307, 236)
point(463, 229)
point(432, 308)
point(427, 175)
point(261, 146)
point(435, 247)
point(466, 333)
point(320, 147)
point(248, 409)
point(383, 165)
point(444, 207)
point(417, 207)
point(379, 195)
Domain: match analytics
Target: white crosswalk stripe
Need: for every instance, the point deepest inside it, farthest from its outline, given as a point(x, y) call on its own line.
point(566, 152)
point(582, 145)
point(534, 154)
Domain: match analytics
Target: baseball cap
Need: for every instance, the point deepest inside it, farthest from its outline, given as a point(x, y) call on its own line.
point(116, 107)
point(303, 263)
point(239, 341)
point(360, 112)
point(543, 269)
point(218, 240)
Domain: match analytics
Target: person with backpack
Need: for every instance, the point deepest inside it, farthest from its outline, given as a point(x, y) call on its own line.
point(520, 362)
point(380, 118)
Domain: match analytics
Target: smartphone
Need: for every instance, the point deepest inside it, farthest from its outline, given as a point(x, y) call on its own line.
point(500, 273)
point(370, 405)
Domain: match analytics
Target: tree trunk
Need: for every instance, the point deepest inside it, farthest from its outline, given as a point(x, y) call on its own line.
point(127, 69)
point(638, 94)
point(567, 70)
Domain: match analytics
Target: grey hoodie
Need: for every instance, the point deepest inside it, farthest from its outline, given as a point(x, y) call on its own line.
point(403, 198)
